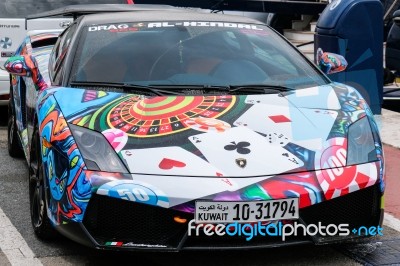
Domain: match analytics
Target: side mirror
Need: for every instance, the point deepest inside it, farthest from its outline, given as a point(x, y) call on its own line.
point(25, 66)
point(21, 65)
point(396, 17)
point(330, 63)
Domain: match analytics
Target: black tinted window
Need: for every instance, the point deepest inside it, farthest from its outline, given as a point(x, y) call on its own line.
point(59, 52)
point(190, 53)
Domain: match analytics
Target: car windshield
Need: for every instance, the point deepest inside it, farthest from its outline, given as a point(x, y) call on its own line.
point(190, 53)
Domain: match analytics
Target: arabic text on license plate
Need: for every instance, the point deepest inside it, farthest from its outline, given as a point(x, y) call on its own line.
point(245, 212)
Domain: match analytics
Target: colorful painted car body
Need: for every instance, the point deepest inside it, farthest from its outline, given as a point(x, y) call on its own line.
point(227, 110)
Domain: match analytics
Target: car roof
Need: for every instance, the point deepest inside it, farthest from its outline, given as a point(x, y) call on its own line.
point(80, 10)
point(114, 13)
point(162, 16)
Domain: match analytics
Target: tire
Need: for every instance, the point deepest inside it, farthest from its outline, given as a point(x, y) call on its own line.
point(13, 141)
point(37, 195)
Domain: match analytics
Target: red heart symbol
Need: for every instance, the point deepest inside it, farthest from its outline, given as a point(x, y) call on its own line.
point(226, 180)
point(167, 164)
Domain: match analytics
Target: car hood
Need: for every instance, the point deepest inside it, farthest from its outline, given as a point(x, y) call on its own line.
point(218, 135)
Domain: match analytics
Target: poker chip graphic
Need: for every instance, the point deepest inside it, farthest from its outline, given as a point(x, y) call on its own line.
point(5, 43)
point(116, 137)
point(336, 179)
point(207, 124)
point(134, 191)
point(160, 116)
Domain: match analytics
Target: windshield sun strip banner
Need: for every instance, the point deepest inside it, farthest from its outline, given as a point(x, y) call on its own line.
point(122, 27)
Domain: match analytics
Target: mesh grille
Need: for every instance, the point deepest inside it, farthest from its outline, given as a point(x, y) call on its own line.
point(361, 208)
point(110, 219)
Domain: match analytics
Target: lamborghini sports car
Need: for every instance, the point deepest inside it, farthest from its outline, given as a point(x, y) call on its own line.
point(170, 129)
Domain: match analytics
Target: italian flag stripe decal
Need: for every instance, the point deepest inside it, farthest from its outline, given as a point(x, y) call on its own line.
point(118, 244)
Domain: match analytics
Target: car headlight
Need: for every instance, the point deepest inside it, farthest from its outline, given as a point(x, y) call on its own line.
point(360, 143)
point(97, 151)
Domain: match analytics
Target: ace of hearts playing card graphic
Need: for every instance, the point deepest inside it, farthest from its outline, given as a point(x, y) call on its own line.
point(168, 161)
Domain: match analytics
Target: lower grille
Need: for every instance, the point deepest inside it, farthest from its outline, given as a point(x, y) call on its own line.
point(109, 219)
point(360, 208)
point(231, 242)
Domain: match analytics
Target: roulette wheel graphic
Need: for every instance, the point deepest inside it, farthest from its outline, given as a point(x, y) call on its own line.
point(160, 116)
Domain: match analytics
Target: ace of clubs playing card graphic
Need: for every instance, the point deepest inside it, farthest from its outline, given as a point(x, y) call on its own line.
point(242, 152)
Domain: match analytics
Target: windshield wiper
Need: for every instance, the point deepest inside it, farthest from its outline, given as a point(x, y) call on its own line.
point(124, 86)
point(161, 89)
point(259, 88)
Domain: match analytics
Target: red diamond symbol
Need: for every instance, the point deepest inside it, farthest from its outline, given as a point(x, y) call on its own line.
point(279, 118)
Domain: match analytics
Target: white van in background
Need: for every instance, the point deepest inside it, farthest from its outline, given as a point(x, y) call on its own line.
point(14, 27)
point(12, 32)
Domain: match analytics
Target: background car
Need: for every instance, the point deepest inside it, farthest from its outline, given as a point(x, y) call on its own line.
point(141, 123)
point(14, 28)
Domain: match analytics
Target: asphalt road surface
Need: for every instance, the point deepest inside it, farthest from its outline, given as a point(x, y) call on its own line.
point(19, 246)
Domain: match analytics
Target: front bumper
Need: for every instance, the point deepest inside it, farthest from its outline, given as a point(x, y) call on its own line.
point(111, 223)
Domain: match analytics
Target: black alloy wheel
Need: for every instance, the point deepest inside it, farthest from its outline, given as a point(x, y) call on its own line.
point(37, 196)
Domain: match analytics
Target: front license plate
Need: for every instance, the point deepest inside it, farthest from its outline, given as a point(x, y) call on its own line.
point(246, 212)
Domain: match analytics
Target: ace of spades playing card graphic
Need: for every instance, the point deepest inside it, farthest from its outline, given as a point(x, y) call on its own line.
point(243, 152)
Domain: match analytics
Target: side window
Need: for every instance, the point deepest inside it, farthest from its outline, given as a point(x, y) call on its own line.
point(60, 50)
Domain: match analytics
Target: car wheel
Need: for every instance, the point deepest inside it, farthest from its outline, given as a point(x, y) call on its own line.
point(37, 199)
point(13, 142)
